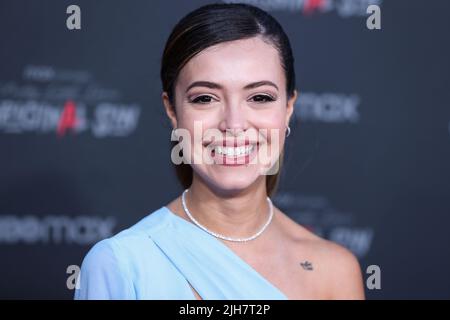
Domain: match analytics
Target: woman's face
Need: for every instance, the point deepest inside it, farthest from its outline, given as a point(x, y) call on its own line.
point(231, 99)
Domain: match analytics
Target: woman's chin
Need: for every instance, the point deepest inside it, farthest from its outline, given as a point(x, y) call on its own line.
point(230, 180)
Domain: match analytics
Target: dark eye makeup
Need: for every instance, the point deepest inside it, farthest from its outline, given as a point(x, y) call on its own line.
point(259, 98)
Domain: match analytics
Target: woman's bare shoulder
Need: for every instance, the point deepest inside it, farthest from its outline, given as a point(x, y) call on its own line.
point(335, 266)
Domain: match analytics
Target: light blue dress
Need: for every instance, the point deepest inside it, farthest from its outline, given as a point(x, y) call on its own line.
point(160, 256)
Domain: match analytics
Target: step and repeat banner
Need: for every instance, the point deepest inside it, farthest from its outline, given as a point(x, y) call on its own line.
point(85, 143)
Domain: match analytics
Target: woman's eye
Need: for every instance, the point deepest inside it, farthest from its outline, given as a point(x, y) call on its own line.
point(262, 98)
point(202, 99)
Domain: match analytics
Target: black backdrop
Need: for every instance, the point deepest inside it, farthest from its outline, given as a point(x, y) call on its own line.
point(85, 152)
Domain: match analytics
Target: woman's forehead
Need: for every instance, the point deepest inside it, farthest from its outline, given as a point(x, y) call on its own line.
point(236, 62)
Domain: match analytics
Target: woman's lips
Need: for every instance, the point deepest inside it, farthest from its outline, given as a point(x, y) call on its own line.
point(233, 156)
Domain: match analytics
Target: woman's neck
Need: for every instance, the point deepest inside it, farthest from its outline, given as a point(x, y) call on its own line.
point(234, 214)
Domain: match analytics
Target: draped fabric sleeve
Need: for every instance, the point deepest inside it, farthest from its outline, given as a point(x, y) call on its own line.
point(104, 274)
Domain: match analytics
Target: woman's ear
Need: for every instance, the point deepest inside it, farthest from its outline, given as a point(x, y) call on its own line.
point(291, 106)
point(170, 110)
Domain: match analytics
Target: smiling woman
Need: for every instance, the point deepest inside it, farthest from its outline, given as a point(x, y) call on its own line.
point(228, 68)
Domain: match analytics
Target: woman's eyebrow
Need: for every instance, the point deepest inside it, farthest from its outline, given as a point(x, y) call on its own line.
point(213, 85)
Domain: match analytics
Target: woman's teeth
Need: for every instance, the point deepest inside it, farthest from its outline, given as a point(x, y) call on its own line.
point(233, 152)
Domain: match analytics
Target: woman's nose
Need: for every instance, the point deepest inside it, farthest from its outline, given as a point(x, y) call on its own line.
point(234, 119)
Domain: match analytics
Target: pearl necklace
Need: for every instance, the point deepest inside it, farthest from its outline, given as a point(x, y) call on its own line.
point(183, 200)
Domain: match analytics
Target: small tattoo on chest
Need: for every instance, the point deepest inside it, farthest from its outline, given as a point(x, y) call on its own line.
point(307, 265)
